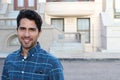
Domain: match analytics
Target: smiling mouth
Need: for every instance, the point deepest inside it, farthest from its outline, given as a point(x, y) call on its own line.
point(26, 41)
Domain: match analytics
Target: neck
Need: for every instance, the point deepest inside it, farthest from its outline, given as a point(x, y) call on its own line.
point(24, 52)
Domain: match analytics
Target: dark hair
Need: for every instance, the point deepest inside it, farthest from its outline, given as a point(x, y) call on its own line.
point(30, 14)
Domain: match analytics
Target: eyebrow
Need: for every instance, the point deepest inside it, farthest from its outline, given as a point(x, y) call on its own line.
point(28, 28)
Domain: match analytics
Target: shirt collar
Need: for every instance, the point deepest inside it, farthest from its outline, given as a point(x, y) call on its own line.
point(31, 52)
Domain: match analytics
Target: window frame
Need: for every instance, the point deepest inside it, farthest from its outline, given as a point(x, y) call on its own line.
point(25, 5)
point(58, 19)
point(116, 14)
point(85, 30)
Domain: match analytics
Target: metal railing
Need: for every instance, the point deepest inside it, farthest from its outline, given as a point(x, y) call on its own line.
point(72, 36)
point(60, 36)
point(68, 36)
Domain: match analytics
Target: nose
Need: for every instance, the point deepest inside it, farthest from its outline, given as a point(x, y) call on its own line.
point(27, 34)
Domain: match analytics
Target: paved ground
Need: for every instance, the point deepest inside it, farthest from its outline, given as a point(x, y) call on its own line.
point(89, 69)
point(1, 65)
point(92, 70)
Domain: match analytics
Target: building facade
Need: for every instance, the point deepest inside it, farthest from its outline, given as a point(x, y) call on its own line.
point(110, 18)
point(70, 26)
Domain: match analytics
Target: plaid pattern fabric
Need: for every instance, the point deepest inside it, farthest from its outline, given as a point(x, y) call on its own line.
point(39, 65)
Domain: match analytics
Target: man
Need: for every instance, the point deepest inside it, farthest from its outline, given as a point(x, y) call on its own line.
point(31, 62)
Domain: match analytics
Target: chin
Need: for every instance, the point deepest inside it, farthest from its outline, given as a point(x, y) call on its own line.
point(27, 46)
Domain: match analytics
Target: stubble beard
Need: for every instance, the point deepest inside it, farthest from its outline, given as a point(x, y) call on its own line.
point(27, 45)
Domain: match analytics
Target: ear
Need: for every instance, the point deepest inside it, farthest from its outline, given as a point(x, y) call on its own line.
point(40, 32)
point(17, 28)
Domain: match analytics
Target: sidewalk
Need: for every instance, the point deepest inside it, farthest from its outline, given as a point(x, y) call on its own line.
point(95, 55)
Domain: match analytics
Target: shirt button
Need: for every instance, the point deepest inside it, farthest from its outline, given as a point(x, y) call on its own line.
point(22, 59)
point(32, 55)
point(22, 72)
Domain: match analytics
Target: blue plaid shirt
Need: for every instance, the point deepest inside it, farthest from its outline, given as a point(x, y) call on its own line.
point(39, 65)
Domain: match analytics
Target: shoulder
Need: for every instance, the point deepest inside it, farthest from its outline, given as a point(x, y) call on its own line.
point(12, 55)
point(51, 59)
point(48, 55)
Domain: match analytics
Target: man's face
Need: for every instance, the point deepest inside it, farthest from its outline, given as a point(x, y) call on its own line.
point(27, 33)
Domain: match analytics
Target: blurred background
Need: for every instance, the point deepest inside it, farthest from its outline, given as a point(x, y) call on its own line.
point(83, 34)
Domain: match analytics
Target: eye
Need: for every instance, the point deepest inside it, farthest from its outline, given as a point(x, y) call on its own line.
point(21, 28)
point(32, 29)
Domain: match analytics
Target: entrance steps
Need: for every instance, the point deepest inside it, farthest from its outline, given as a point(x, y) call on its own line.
point(92, 55)
point(66, 49)
point(74, 50)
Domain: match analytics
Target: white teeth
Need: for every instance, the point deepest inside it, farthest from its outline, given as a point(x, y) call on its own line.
point(26, 40)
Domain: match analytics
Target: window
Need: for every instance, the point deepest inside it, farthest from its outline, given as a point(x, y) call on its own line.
point(58, 23)
point(117, 8)
point(67, 0)
point(84, 26)
point(22, 4)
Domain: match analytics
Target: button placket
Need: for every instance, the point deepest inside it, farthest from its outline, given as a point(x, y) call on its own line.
point(22, 72)
point(23, 60)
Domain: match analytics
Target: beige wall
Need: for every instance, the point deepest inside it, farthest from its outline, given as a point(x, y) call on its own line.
point(71, 11)
point(70, 24)
point(4, 1)
point(46, 38)
point(111, 29)
point(4, 40)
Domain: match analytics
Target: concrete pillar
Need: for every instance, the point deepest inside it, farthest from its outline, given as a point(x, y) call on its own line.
point(83, 40)
point(109, 7)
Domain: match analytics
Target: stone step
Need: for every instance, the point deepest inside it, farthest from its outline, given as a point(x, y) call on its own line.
point(66, 48)
point(66, 44)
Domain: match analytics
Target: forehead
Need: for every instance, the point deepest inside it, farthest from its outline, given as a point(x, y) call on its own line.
point(27, 23)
